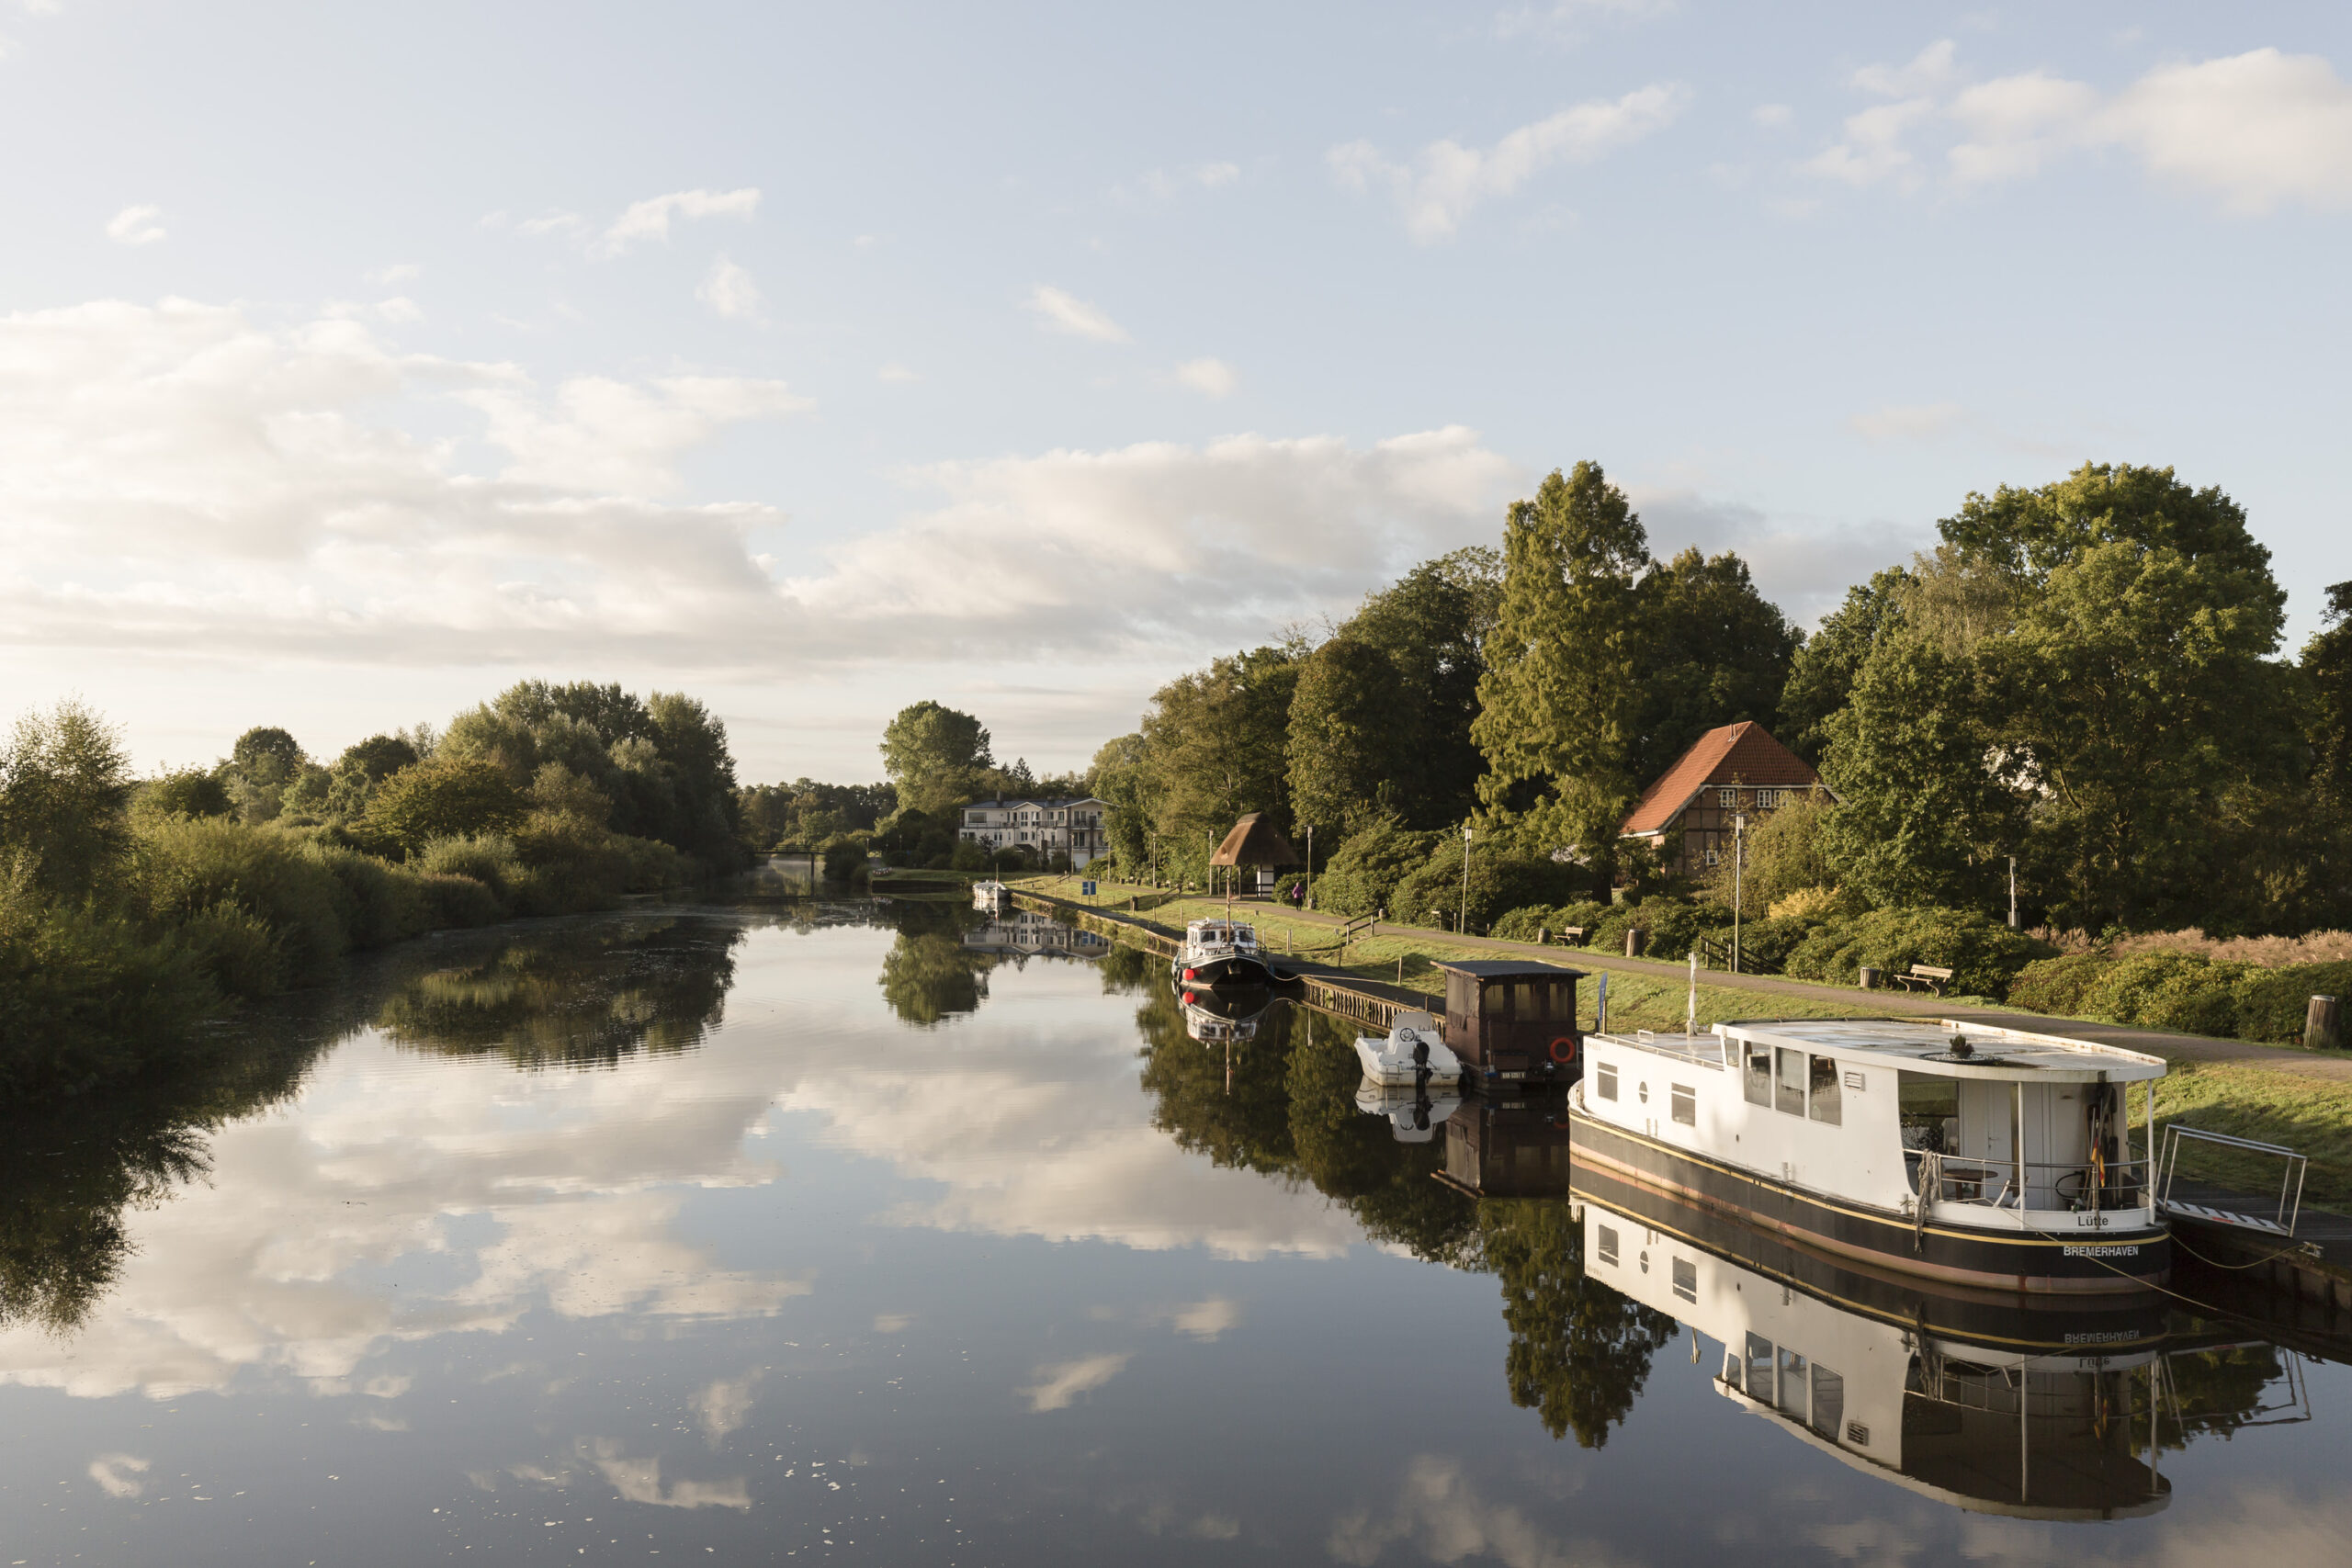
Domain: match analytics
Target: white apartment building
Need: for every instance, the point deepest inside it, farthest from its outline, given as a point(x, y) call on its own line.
point(1041, 826)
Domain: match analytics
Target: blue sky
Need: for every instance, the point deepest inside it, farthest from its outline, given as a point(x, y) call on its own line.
point(355, 363)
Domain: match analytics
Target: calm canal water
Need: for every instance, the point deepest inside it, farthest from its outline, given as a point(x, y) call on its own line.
point(856, 1233)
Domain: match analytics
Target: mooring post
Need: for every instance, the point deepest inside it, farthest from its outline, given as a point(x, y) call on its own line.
point(2323, 1024)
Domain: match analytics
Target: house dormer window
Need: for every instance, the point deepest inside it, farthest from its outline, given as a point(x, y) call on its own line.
point(1727, 797)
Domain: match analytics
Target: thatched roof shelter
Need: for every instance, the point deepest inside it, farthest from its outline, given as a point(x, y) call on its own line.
point(1254, 841)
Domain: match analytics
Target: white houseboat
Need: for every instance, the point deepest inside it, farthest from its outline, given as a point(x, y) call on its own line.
point(991, 895)
point(2028, 1416)
point(1222, 953)
point(1977, 1157)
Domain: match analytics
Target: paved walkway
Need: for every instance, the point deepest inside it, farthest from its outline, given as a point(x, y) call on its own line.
point(2173, 1047)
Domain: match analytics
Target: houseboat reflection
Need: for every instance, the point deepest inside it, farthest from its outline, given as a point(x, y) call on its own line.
point(1021, 933)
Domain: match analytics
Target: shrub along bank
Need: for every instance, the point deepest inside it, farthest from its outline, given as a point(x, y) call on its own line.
point(131, 914)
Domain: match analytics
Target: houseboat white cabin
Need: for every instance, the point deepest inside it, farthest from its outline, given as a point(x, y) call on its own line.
point(1979, 1156)
point(2015, 1421)
point(1222, 953)
point(1410, 1052)
point(991, 895)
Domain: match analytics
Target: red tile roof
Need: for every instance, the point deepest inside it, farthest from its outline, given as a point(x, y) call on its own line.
point(1742, 752)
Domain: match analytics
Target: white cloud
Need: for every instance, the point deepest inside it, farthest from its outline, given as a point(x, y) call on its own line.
point(1063, 1381)
point(650, 219)
point(403, 272)
point(1446, 180)
point(896, 372)
point(135, 226)
point(548, 224)
point(177, 475)
point(725, 1406)
point(2256, 130)
point(1063, 313)
point(1210, 378)
point(1929, 69)
point(1206, 1319)
point(1441, 1512)
point(1872, 149)
point(1158, 544)
point(2259, 130)
point(730, 291)
point(1912, 422)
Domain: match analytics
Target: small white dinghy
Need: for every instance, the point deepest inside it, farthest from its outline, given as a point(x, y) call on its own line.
point(1414, 1112)
point(1411, 1053)
point(991, 895)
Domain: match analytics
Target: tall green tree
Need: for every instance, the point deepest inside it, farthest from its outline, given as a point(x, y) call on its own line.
point(1218, 744)
point(1558, 703)
point(1714, 653)
point(1579, 1352)
point(1345, 739)
point(935, 756)
point(2328, 673)
point(65, 785)
point(1823, 672)
point(1433, 624)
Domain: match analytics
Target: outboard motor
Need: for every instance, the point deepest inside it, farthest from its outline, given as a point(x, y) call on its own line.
point(1420, 1052)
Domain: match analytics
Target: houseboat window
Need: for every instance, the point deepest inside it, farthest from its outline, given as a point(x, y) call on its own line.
point(1828, 1402)
point(1527, 1001)
point(1760, 1367)
point(1457, 994)
point(1760, 1076)
point(1825, 1107)
point(1792, 1382)
point(1930, 1108)
point(1790, 1098)
point(1685, 1278)
point(1608, 1246)
point(1604, 1080)
point(1686, 1105)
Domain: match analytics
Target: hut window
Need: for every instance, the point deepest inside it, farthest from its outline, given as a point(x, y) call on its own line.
point(1790, 1098)
point(1686, 1105)
point(1608, 1246)
point(1604, 1078)
point(1760, 1076)
point(1825, 1092)
point(1685, 1278)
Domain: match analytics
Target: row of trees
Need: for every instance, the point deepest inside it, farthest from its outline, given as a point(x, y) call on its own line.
point(129, 908)
point(2086, 676)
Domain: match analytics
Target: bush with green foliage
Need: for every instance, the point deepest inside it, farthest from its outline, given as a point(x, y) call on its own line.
point(2188, 992)
point(444, 797)
point(845, 859)
point(1522, 923)
point(1432, 894)
point(1983, 955)
point(1361, 878)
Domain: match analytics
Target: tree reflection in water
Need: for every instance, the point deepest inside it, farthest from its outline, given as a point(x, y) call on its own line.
point(930, 975)
point(69, 1169)
point(1579, 1352)
point(585, 995)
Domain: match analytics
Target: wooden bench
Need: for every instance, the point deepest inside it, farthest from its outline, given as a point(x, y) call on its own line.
point(1571, 935)
point(1924, 978)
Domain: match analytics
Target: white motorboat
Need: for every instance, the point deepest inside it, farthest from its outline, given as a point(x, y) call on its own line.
point(991, 895)
point(1223, 952)
point(1414, 1110)
point(1412, 1052)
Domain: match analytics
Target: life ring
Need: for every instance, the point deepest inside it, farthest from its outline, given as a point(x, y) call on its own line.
point(1191, 974)
point(1563, 1049)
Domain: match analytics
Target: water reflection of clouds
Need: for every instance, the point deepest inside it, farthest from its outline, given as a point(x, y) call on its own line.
point(489, 1193)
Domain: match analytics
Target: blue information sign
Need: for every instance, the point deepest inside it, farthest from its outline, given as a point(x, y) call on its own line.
point(1086, 889)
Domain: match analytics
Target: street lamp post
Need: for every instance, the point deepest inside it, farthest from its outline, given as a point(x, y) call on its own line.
point(1739, 864)
point(1309, 892)
point(2013, 893)
point(1462, 927)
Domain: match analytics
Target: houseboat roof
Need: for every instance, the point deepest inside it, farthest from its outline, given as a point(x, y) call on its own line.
point(1507, 969)
point(1931, 1045)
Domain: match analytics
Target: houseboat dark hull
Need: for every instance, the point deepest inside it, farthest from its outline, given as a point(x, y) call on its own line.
point(1220, 973)
point(2112, 1262)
